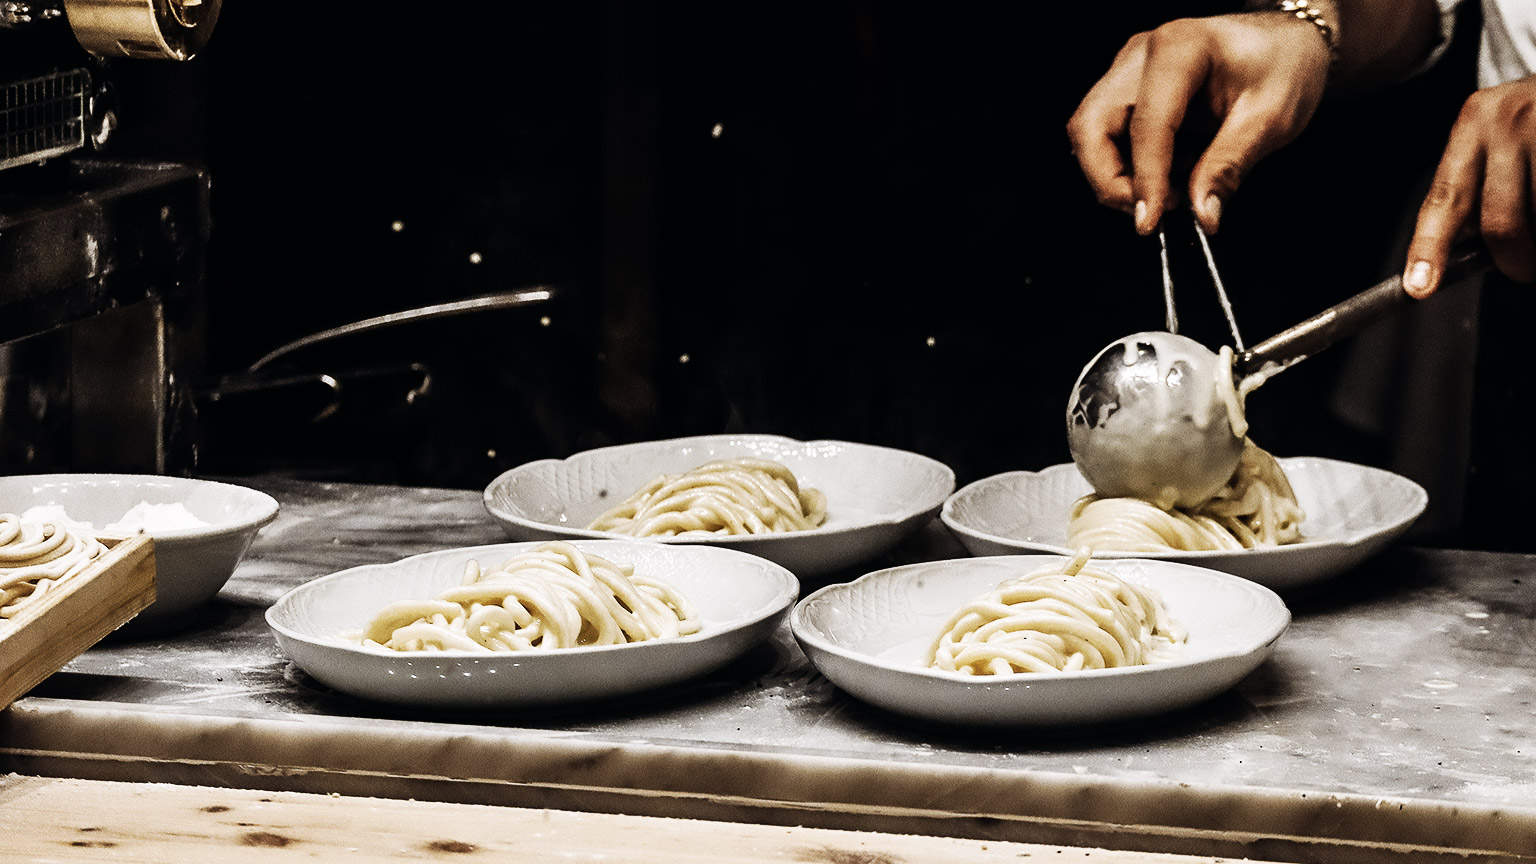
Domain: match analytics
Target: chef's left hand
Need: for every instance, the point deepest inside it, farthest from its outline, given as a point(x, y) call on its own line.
point(1486, 183)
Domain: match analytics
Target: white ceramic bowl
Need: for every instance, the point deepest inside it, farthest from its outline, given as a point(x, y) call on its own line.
point(740, 599)
point(1352, 512)
point(875, 495)
point(191, 564)
point(870, 638)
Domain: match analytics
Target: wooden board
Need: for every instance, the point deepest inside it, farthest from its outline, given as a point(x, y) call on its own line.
point(101, 821)
point(76, 614)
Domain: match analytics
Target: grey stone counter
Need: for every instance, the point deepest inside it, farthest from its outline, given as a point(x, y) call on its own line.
point(1394, 718)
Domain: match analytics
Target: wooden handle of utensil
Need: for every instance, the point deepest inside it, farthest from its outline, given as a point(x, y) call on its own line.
point(1297, 343)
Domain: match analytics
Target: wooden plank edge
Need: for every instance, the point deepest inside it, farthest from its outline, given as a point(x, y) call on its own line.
point(93, 820)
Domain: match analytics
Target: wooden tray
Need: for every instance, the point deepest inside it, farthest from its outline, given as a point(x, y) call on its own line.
point(76, 615)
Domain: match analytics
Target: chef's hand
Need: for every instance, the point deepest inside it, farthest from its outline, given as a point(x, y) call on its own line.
point(1486, 183)
point(1261, 75)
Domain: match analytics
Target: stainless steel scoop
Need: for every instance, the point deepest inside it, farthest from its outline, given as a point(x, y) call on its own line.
point(1146, 418)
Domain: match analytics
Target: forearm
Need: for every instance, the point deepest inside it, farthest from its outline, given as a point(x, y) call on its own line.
point(1375, 42)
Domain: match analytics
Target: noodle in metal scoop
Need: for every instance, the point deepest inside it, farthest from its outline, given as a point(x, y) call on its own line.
point(1256, 508)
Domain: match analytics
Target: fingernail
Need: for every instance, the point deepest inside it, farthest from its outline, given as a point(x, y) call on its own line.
point(1417, 280)
point(1140, 215)
point(1212, 208)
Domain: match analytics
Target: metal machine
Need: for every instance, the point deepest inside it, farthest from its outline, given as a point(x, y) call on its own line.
point(101, 259)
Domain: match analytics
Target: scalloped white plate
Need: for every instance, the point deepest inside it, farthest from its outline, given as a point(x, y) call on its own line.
point(875, 495)
point(869, 637)
point(1353, 512)
point(740, 598)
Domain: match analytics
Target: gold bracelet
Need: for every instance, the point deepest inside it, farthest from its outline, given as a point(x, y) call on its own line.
point(1303, 10)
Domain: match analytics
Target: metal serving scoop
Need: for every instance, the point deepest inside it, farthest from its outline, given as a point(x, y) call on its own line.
point(1147, 418)
point(1144, 421)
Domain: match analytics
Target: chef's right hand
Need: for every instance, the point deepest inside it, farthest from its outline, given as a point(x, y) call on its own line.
point(1262, 76)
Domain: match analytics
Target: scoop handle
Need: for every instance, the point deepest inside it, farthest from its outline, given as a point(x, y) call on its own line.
point(1295, 344)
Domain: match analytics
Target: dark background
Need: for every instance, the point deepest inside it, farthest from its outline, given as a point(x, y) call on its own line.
point(887, 241)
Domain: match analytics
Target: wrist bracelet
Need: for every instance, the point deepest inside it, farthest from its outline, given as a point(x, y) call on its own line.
point(1303, 10)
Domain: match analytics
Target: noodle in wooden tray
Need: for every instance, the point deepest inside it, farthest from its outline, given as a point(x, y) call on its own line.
point(35, 557)
point(729, 496)
point(553, 596)
point(1058, 619)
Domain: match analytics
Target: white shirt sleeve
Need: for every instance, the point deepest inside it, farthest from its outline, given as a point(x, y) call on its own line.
point(1507, 51)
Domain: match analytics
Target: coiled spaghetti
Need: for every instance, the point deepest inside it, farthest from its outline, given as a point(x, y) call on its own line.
point(1058, 619)
point(1256, 508)
point(553, 596)
point(729, 496)
point(35, 557)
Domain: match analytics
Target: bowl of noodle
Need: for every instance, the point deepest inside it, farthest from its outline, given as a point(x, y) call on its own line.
point(533, 623)
point(1337, 515)
point(202, 529)
point(815, 507)
point(1001, 641)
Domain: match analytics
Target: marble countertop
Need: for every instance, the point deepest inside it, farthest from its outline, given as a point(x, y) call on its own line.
point(1396, 715)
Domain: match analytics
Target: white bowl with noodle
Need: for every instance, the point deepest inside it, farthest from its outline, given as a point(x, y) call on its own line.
point(875, 495)
point(740, 600)
point(871, 638)
point(196, 550)
point(1352, 512)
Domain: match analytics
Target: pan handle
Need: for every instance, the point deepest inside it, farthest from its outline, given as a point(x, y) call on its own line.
point(485, 303)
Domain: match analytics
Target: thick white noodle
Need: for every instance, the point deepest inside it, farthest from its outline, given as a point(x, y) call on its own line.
point(1058, 619)
point(553, 596)
point(729, 496)
point(35, 557)
point(1257, 508)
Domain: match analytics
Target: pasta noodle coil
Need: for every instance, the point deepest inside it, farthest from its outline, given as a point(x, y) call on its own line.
point(1057, 619)
point(728, 496)
point(550, 597)
point(1256, 508)
point(35, 557)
